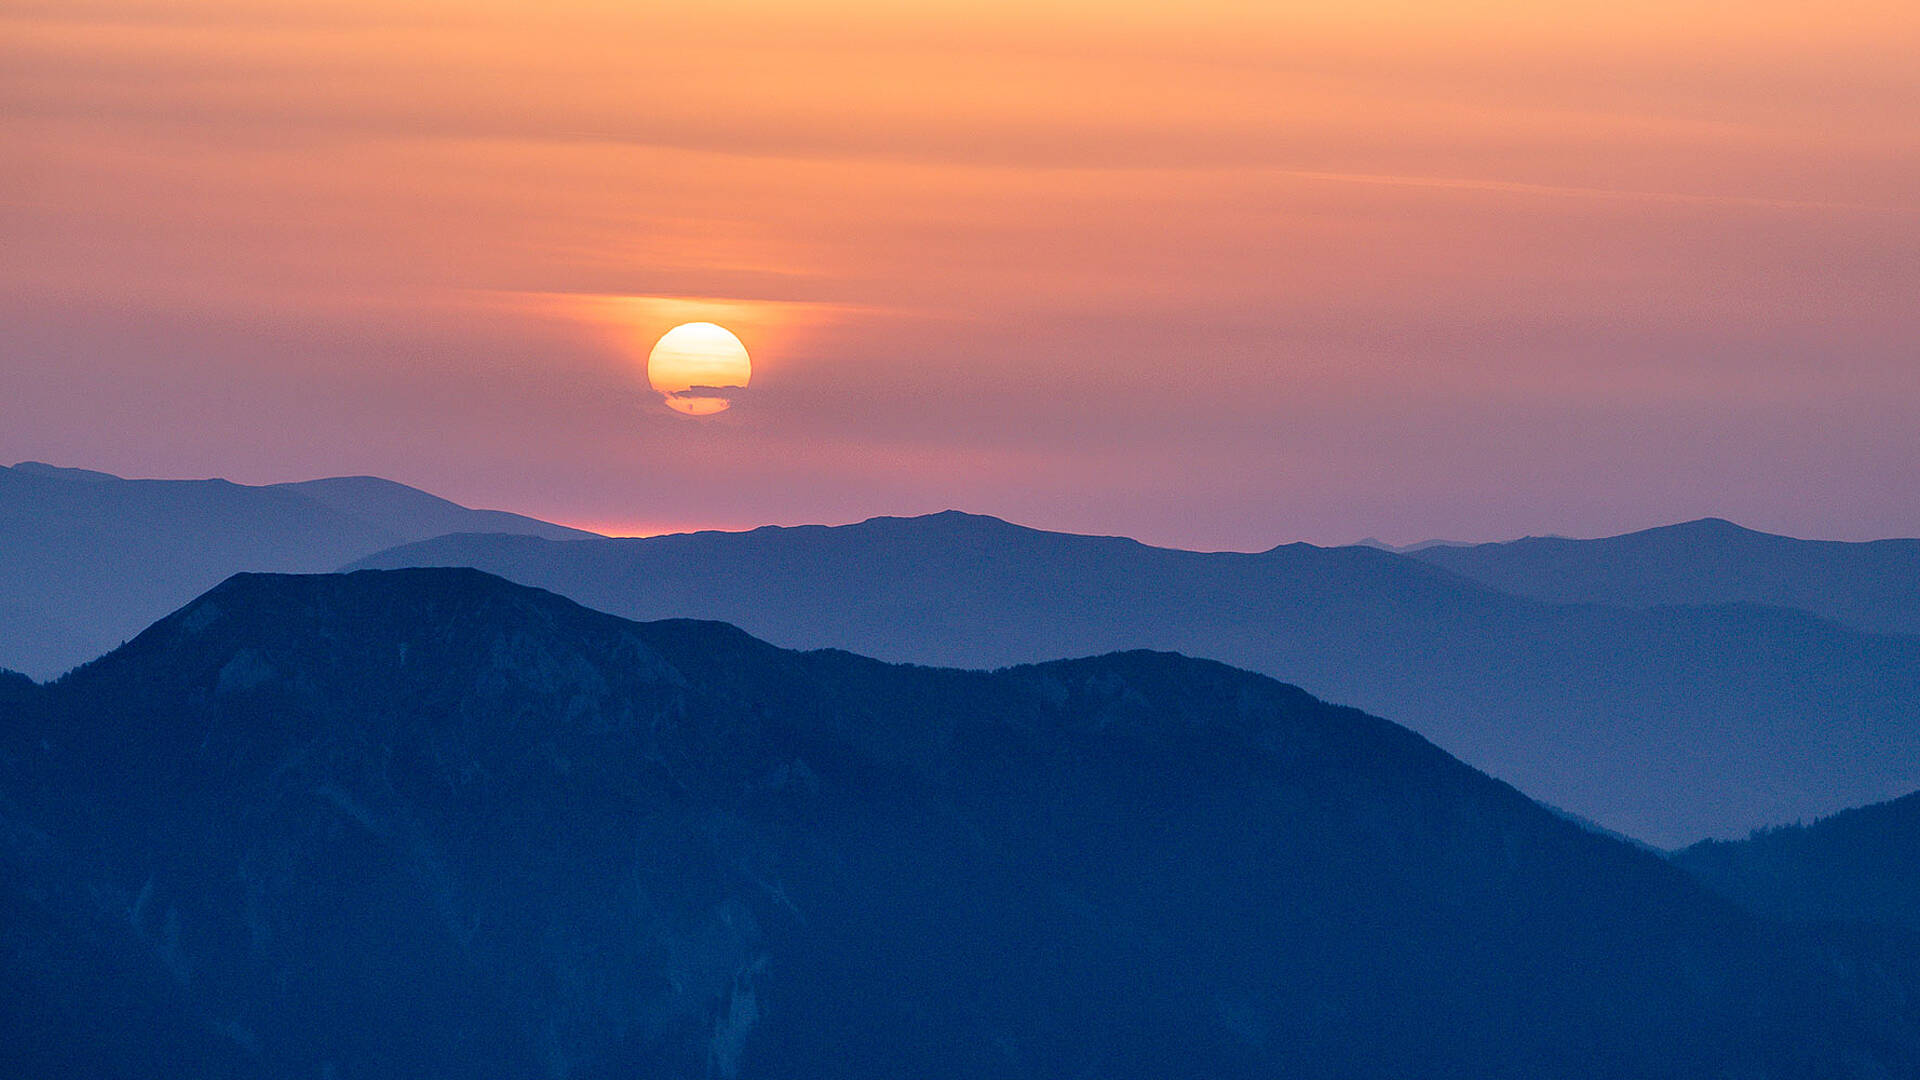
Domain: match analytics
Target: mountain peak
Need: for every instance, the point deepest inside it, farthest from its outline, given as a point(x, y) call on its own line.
point(379, 600)
point(961, 523)
point(946, 519)
point(450, 646)
point(62, 472)
point(1706, 527)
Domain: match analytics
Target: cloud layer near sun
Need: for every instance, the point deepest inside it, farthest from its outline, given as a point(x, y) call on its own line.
point(1215, 272)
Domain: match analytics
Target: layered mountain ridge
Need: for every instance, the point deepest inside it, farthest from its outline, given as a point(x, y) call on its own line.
point(1696, 680)
point(1872, 585)
point(428, 823)
point(88, 559)
point(1667, 722)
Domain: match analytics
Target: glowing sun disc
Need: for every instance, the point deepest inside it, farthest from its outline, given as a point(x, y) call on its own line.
point(699, 368)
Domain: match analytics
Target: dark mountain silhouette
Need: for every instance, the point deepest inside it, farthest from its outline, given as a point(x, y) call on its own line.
point(1666, 724)
point(62, 472)
point(1872, 586)
point(87, 559)
point(430, 824)
point(1860, 865)
point(15, 687)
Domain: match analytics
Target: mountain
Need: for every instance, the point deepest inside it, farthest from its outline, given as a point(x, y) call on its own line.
point(1856, 866)
point(1407, 549)
point(88, 559)
point(1667, 724)
point(15, 687)
point(1872, 586)
point(430, 824)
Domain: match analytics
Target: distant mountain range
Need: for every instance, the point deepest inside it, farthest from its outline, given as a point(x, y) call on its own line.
point(1667, 721)
point(88, 559)
point(1871, 586)
point(430, 824)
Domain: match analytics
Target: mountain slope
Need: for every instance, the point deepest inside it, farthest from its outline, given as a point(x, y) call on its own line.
point(431, 824)
point(1872, 586)
point(1856, 866)
point(87, 559)
point(409, 511)
point(1667, 724)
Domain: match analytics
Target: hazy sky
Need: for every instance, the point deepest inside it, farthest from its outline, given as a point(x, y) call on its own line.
point(1211, 274)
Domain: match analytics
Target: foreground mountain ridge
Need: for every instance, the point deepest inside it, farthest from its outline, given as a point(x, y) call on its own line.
point(428, 823)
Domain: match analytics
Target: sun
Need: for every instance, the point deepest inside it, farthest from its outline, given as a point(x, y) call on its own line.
point(699, 367)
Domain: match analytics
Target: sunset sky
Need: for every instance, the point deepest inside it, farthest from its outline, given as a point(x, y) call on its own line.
point(1210, 274)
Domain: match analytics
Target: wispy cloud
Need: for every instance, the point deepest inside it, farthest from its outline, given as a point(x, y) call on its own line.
point(1515, 187)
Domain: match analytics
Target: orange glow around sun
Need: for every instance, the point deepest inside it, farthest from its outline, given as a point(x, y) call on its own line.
point(693, 354)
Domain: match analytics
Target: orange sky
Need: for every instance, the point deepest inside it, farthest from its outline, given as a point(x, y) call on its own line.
point(1220, 274)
